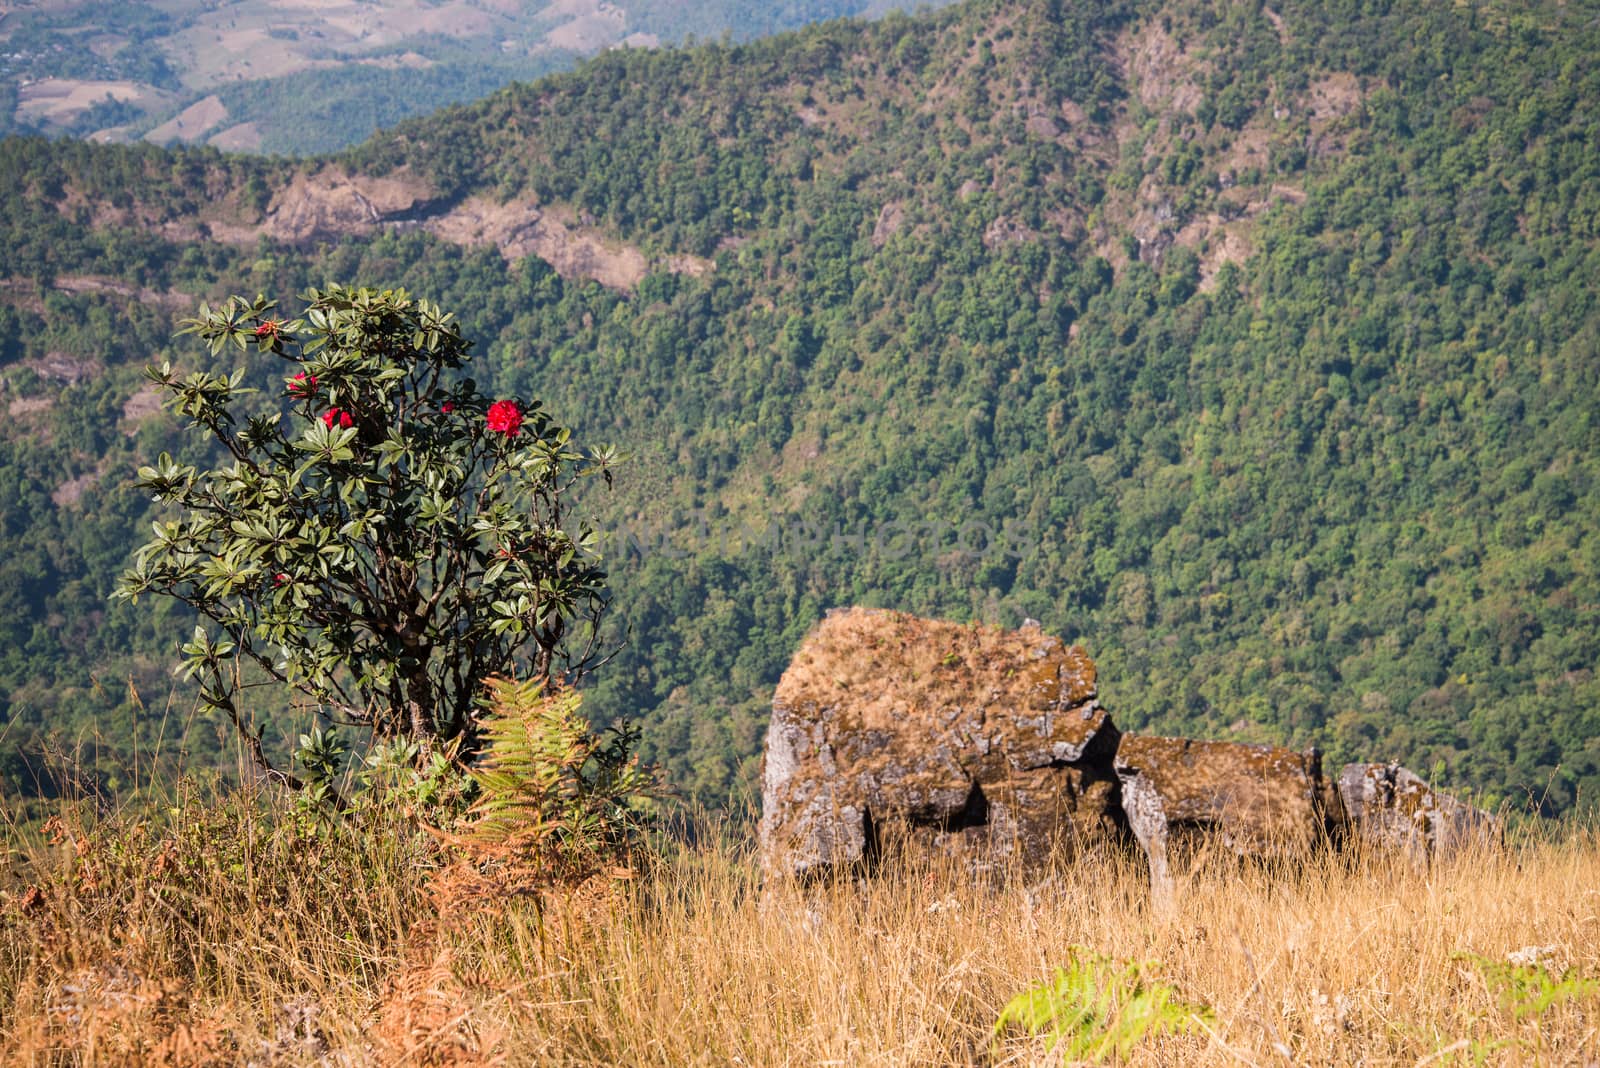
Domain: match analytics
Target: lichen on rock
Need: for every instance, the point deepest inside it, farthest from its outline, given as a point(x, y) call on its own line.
point(893, 732)
point(1390, 808)
point(1258, 801)
point(936, 736)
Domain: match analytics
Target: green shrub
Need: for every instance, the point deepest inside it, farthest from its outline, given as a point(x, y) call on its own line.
point(384, 541)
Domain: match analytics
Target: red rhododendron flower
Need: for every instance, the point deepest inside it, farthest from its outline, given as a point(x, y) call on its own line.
point(302, 384)
point(268, 328)
point(447, 407)
point(505, 418)
point(280, 579)
point(339, 414)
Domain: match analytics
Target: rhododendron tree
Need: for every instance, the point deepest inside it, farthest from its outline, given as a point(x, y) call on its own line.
point(381, 537)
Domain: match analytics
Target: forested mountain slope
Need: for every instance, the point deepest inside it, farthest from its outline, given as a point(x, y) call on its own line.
point(1267, 336)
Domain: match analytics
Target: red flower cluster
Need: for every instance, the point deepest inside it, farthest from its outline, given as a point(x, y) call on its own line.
point(302, 384)
point(505, 418)
point(268, 328)
point(280, 579)
point(338, 415)
point(447, 407)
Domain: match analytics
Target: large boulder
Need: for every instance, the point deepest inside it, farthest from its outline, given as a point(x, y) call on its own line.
point(1257, 801)
point(892, 731)
point(1389, 808)
point(937, 737)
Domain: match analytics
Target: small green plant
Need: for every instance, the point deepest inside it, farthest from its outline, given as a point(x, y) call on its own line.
point(1527, 990)
point(549, 788)
point(397, 773)
point(1096, 1007)
point(1523, 988)
point(322, 754)
point(393, 778)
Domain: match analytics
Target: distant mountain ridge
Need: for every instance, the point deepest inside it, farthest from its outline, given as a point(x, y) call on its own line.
point(246, 75)
point(1268, 334)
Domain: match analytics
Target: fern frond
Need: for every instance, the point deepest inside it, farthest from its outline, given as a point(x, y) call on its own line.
point(1095, 1008)
point(547, 784)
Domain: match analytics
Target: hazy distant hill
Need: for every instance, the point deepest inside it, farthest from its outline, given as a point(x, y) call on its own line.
point(310, 75)
point(1255, 347)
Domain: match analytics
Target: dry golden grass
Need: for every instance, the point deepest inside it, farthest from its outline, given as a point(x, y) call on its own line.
point(286, 948)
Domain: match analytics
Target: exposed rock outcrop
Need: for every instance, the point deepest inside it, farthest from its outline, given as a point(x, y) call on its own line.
point(1389, 808)
point(333, 202)
point(1258, 801)
point(939, 737)
point(992, 746)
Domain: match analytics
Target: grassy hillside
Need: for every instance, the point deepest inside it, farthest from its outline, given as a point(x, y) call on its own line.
point(1255, 349)
point(231, 935)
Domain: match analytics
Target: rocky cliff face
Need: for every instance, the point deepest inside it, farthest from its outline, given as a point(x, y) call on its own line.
point(890, 731)
point(332, 202)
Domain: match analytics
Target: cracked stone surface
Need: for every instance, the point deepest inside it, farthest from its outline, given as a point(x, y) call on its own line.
point(890, 731)
point(1390, 808)
point(935, 736)
point(1257, 800)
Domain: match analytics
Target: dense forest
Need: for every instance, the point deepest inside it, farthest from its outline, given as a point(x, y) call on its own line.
point(1254, 347)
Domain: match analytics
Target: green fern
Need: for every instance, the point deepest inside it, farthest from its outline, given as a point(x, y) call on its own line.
point(1096, 1007)
point(1529, 989)
point(547, 783)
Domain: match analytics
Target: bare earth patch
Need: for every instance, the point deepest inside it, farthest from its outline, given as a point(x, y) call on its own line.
point(145, 402)
point(20, 293)
point(888, 224)
point(89, 283)
point(1216, 243)
point(1277, 24)
point(518, 230)
point(1220, 240)
point(244, 137)
point(64, 367)
point(693, 266)
point(58, 100)
point(401, 61)
point(72, 490)
point(1005, 230)
point(191, 123)
point(1330, 101)
point(1334, 96)
point(1248, 150)
point(372, 24)
point(112, 135)
point(246, 39)
point(332, 203)
point(27, 405)
point(589, 26)
point(1164, 74)
point(1166, 79)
